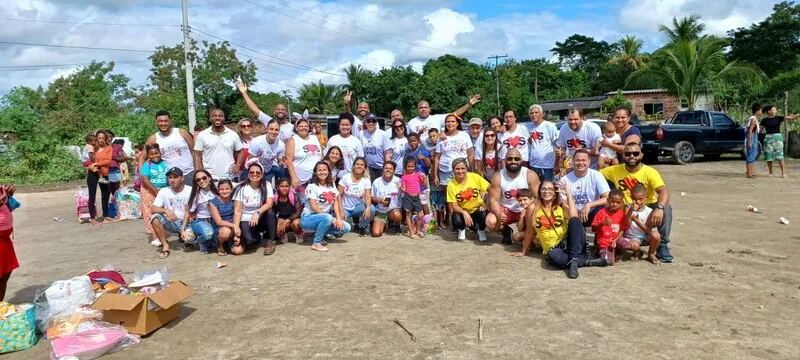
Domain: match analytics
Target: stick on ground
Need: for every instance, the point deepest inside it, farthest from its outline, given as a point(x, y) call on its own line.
point(480, 329)
point(396, 321)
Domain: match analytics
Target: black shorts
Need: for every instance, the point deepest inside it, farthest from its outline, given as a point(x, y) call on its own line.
point(412, 203)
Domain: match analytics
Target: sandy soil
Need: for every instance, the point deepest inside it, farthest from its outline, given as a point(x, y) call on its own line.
point(737, 300)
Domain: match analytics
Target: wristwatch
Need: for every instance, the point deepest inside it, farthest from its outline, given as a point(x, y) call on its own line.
point(659, 206)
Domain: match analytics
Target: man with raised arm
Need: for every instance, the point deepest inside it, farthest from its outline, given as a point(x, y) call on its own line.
point(280, 112)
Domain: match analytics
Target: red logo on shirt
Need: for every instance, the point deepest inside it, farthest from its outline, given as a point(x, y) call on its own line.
point(490, 162)
point(576, 143)
point(467, 195)
point(327, 197)
point(514, 142)
point(549, 222)
point(511, 194)
point(311, 148)
point(537, 136)
point(627, 183)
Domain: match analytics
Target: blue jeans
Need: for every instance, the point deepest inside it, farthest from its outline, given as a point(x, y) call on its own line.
point(169, 226)
point(276, 172)
point(544, 174)
point(205, 235)
point(359, 211)
point(322, 224)
point(752, 153)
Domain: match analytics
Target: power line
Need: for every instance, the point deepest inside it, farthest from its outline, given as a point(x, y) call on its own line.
point(288, 63)
point(54, 66)
point(85, 23)
point(372, 32)
point(76, 47)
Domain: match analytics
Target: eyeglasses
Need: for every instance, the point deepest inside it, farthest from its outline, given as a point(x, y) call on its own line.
point(548, 189)
point(490, 135)
point(245, 126)
point(255, 172)
point(199, 179)
point(514, 158)
point(399, 126)
point(632, 153)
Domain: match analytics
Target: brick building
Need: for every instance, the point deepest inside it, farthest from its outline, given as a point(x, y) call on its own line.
point(657, 104)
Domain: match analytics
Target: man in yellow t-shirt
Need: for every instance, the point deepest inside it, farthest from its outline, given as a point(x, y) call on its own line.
point(625, 176)
point(465, 194)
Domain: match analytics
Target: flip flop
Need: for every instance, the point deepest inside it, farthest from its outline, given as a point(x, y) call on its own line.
point(163, 254)
point(222, 252)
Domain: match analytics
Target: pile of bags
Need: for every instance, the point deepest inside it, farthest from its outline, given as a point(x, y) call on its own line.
point(17, 327)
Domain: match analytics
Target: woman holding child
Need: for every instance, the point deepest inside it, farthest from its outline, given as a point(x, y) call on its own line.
point(558, 230)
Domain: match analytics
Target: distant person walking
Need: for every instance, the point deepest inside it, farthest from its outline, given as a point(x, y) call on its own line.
point(773, 141)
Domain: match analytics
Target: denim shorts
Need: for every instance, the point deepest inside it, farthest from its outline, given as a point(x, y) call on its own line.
point(114, 175)
point(437, 199)
point(169, 226)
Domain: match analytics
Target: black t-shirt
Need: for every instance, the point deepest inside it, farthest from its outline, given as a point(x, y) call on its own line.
point(772, 125)
point(285, 209)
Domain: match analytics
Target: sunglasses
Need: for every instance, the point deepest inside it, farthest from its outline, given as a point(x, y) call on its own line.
point(549, 189)
point(490, 135)
point(632, 153)
point(203, 178)
point(399, 126)
point(255, 172)
point(369, 121)
point(514, 158)
point(245, 126)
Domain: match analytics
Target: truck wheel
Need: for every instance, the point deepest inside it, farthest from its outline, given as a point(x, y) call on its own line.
point(712, 157)
point(683, 154)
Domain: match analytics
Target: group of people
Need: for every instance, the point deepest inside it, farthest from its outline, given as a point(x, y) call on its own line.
point(228, 191)
point(770, 125)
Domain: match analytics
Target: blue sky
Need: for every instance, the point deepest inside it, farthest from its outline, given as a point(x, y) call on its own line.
point(391, 32)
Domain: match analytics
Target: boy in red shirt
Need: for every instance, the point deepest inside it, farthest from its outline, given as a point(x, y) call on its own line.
point(608, 226)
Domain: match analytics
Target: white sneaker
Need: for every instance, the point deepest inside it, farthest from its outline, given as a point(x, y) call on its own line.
point(481, 235)
point(462, 234)
point(284, 239)
point(155, 242)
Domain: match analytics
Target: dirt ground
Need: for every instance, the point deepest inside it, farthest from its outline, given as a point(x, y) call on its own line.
point(732, 292)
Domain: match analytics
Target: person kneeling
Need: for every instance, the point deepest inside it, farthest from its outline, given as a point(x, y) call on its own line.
point(608, 226)
point(252, 212)
point(169, 208)
point(288, 208)
point(322, 199)
point(465, 194)
point(639, 232)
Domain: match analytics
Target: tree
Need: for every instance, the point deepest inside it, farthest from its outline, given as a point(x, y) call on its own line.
point(629, 52)
point(772, 44)
point(689, 69)
point(321, 98)
point(582, 53)
point(685, 29)
point(358, 80)
point(619, 100)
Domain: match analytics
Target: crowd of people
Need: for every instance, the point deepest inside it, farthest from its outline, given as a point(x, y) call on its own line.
point(229, 192)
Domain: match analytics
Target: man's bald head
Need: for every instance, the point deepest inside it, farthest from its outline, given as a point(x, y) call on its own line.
point(424, 109)
point(513, 161)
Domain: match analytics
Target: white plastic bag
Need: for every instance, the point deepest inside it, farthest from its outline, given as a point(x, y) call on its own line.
point(67, 295)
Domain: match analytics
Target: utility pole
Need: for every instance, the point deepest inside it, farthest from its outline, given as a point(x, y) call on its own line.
point(497, 76)
point(536, 85)
point(188, 66)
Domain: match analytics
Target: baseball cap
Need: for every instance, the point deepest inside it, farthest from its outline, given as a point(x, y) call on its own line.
point(175, 171)
point(371, 117)
point(475, 121)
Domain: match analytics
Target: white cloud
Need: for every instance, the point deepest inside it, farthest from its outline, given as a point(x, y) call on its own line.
point(373, 33)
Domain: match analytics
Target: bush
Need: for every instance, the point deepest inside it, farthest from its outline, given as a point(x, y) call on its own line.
point(39, 161)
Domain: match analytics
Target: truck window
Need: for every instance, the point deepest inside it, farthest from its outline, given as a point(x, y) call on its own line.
point(722, 120)
point(691, 118)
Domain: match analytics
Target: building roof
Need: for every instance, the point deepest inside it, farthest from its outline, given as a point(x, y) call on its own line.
point(631, 92)
point(591, 102)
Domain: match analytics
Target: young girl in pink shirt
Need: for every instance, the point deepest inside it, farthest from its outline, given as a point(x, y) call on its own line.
point(412, 183)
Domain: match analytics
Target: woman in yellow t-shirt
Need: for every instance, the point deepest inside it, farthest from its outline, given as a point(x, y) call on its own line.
point(557, 228)
point(465, 194)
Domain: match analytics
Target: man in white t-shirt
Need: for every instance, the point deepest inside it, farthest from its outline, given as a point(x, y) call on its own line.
point(217, 148)
point(589, 188)
point(169, 207)
point(543, 135)
point(425, 121)
point(359, 117)
point(577, 134)
point(476, 132)
point(515, 137)
point(350, 145)
point(280, 112)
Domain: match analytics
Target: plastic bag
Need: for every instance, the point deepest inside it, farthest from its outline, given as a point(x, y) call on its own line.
point(152, 277)
point(128, 204)
point(95, 341)
point(18, 330)
point(430, 222)
point(63, 297)
point(82, 204)
point(71, 323)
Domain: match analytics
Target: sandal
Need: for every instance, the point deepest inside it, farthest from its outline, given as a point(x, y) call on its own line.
point(319, 247)
point(163, 254)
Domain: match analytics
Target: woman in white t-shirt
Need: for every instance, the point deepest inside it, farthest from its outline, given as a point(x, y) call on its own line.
point(302, 152)
point(456, 144)
point(246, 136)
point(322, 199)
point(487, 157)
point(270, 151)
point(399, 144)
point(335, 161)
point(203, 191)
point(356, 191)
point(252, 212)
point(386, 198)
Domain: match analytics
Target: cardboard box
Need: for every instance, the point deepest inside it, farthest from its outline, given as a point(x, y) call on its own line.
point(135, 313)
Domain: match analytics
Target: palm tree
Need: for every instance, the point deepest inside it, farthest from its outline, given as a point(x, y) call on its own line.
point(688, 69)
point(685, 29)
point(629, 52)
point(320, 98)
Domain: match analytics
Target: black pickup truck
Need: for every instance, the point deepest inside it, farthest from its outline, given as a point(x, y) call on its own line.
point(690, 133)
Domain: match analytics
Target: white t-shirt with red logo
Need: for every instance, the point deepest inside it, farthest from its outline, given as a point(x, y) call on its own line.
point(421, 126)
point(267, 154)
point(382, 189)
point(542, 145)
point(324, 195)
point(307, 153)
point(451, 148)
point(353, 191)
point(517, 139)
point(585, 138)
point(509, 187)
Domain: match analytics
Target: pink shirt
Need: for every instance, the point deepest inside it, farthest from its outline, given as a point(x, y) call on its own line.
point(6, 219)
point(413, 183)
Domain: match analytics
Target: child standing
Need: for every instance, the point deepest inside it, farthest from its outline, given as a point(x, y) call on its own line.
point(608, 226)
point(640, 232)
point(412, 183)
point(437, 199)
point(608, 156)
point(525, 200)
point(416, 150)
point(221, 210)
point(8, 258)
point(154, 178)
